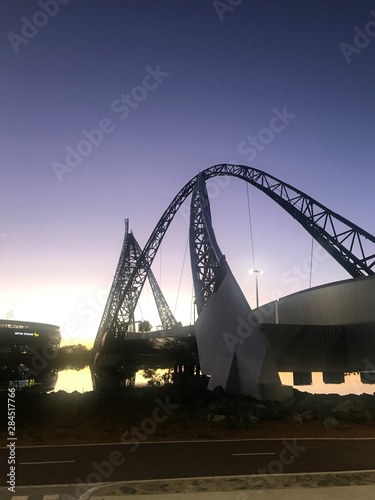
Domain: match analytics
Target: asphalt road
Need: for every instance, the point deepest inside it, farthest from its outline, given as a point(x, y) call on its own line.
point(157, 460)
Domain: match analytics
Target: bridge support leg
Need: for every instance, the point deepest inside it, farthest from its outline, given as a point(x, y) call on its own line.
point(233, 350)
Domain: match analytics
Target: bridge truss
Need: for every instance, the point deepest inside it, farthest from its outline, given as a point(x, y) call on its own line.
point(208, 264)
point(129, 256)
point(350, 245)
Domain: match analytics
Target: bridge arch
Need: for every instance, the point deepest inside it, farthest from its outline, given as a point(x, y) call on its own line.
point(344, 240)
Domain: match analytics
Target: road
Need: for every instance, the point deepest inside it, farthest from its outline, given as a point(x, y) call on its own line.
point(90, 464)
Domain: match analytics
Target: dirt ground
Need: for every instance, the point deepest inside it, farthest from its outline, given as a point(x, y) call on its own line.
point(85, 432)
point(68, 419)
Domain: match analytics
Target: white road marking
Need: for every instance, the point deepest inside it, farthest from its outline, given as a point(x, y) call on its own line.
point(205, 441)
point(50, 462)
point(45, 497)
point(251, 454)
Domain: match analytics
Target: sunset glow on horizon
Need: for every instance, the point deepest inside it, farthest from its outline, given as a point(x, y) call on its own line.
point(110, 108)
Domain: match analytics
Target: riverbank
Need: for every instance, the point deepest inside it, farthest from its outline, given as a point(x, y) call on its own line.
point(172, 413)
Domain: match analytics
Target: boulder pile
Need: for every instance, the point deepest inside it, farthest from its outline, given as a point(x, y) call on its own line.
point(333, 410)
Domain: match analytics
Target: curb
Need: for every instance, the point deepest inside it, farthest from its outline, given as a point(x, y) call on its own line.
point(232, 483)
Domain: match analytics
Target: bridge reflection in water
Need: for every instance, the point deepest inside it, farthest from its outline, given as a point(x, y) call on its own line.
point(81, 381)
point(85, 379)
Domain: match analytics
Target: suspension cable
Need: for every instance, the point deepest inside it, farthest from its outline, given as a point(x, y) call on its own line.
point(250, 225)
point(160, 262)
point(311, 260)
point(182, 271)
point(192, 306)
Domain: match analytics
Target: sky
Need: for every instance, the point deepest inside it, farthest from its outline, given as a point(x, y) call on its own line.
point(108, 108)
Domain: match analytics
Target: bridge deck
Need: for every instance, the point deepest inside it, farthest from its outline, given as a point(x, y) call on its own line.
point(295, 347)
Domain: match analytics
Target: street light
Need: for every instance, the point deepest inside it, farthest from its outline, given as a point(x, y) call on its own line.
point(257, 273)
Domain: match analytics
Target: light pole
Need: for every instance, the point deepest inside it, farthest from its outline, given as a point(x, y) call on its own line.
point(257, 273)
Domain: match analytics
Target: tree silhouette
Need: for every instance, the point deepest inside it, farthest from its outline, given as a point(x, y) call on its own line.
point(144, 326)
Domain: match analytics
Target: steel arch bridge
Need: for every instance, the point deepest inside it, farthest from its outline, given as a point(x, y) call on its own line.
point(350, 245)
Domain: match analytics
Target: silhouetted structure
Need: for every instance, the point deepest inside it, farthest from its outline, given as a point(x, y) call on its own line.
point(233, 346)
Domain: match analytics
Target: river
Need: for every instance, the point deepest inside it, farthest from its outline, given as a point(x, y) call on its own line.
point(80, 381)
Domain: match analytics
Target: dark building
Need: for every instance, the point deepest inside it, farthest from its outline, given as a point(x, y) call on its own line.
point(21, 340)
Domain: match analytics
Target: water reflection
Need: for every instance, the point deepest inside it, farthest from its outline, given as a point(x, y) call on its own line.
point(83, 380)
point(39, 368)
point(353, 383)
point(22, 377)
point(74, 380)
point(112, 379)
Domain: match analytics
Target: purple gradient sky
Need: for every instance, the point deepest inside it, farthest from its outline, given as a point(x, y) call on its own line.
point(60, 241)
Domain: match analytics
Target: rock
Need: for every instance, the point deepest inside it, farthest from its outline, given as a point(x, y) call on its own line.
point(288, 403)
point(331, 423)
point(362, 417)
point(326, 404)
point(128, 490)
point(360, 404)
point(307, 416)
point(271, 413)
point(295, 418)
point(345, 415)
point(259, 406)
point(249, 419)
point(304, 405)
point(210, 408)
point(347, 405)
point(218, 418)
point(323, 413)
point(252, 419)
